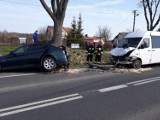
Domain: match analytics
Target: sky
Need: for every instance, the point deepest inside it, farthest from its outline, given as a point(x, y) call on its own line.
point(26, 17)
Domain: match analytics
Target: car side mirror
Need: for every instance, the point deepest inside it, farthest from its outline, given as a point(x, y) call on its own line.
point(12, 53)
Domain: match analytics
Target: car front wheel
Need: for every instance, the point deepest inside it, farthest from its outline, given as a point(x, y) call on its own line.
point(49, 64)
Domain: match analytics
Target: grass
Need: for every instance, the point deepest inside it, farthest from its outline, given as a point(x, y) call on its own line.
point(6, 49)
point(78, 57)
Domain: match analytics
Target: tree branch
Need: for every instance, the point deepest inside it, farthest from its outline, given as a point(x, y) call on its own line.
point(156, 7)
point(58, 7)
point(157, 22)
point(48, 9)
point(63, 7)
point(145, 14)
point(54, 6)
point(149, 6)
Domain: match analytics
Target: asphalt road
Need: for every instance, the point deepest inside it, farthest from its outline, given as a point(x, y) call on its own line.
point(81, 95)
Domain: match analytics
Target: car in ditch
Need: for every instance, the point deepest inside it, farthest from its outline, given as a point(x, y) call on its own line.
point(39, 55)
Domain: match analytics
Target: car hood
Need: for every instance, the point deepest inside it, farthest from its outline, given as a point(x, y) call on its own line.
point(121, 51)
point(4, 57)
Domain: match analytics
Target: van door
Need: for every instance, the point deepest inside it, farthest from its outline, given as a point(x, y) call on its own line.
point(155, 49)
point(145, 51)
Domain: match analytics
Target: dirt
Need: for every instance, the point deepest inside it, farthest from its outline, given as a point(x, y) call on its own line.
point(114, 70)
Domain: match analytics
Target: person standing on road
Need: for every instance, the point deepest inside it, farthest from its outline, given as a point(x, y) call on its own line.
point(35, 36)
point(90, 52)
point(98, 52)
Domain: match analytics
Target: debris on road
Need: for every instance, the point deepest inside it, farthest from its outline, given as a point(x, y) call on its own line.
point(101, 68)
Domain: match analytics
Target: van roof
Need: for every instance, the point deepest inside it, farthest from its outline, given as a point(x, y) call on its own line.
point(151, 33)
point(140, 35)
point(134, 35)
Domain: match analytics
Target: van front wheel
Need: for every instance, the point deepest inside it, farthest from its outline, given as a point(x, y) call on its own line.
point(137, 64)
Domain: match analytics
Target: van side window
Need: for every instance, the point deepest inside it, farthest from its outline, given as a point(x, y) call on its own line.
point(155, 41)
point(145, 43)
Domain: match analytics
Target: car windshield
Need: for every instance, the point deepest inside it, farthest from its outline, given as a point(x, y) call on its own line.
point(129, 42)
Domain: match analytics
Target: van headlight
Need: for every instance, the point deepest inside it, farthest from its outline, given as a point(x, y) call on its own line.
point(128, 58)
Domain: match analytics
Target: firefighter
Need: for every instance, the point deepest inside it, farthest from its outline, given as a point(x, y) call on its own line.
point(90, 52)
point(98, 52)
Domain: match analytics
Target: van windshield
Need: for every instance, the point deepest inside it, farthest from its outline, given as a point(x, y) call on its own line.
point(129, 42)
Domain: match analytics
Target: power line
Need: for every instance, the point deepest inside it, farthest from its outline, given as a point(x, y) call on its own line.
point(22, 3)
point(31, 4)
point(122, 21)
point(92, 11)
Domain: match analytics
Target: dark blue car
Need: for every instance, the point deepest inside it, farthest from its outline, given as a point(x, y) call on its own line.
point(45, 56)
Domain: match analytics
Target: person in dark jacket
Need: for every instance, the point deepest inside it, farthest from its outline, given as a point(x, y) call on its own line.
point(35, 36)
point(90, 52)
point(98, 52)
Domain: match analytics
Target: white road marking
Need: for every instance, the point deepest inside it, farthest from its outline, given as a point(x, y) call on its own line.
point(144, 81)
point(8, 76)
point(49, 102)
point(39, 104)
point(113, 88)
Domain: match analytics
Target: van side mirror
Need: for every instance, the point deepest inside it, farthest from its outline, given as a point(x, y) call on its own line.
point(141, 46)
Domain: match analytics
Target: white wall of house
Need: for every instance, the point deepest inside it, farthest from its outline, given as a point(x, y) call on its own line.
point(22, 40)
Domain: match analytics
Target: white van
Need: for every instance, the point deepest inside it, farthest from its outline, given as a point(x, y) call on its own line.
point(137, 49)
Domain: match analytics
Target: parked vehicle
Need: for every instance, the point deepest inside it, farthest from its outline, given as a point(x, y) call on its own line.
point(137, 49)
point(45, 56)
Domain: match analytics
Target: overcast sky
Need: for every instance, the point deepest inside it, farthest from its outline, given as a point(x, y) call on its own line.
point(26, 16)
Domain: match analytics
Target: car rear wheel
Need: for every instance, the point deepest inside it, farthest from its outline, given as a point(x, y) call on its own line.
point(137, 64)
point(49, 64)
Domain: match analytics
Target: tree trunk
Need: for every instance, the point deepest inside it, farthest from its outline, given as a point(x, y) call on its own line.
point(57, 14)
point(57, 35)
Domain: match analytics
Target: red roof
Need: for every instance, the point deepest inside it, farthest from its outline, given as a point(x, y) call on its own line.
point(88, 38)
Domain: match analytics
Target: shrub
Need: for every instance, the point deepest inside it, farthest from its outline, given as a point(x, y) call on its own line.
point(78, 57)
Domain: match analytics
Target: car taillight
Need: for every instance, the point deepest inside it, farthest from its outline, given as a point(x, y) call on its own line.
point(63, 52)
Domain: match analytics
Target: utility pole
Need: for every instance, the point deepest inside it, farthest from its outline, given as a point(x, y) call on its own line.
point(134, 20)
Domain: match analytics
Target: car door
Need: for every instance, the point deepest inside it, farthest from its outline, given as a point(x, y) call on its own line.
point(16, 59)
point(145, 52)
point(34, 54)
point(155, 49)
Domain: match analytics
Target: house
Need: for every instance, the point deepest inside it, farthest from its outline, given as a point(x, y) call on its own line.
point(119, 37)
point(106, 44)
point(65, 32)
point(22, 40)
point(94, 39)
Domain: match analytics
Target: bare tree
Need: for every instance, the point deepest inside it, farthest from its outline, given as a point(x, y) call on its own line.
point(104, 33)
point(150, 8)
point(57, 13)
point(4, 36)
